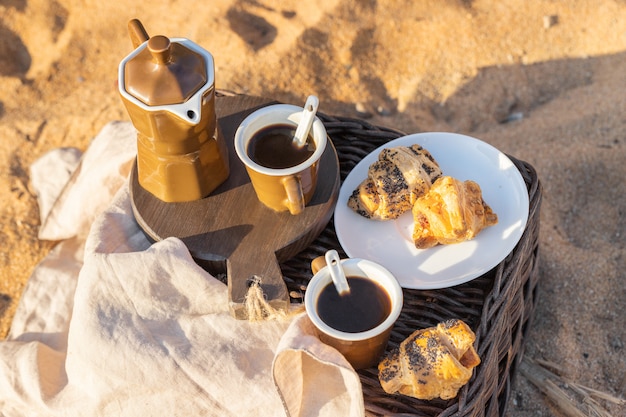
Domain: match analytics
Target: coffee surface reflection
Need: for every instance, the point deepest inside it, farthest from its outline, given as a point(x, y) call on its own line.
point(273, 147)
point(366, 305)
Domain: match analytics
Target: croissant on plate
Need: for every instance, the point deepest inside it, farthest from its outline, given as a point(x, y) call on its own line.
point(451, 211)
point(431, 363)
point(394, 182)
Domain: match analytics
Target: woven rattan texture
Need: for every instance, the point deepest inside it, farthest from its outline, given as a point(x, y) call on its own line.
point(498, 306)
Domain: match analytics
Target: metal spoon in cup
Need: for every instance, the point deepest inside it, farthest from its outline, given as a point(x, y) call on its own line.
point(336, 272)
point(308, 115)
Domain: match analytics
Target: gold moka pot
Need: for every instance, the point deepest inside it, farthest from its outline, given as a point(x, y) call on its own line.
point(168, 88)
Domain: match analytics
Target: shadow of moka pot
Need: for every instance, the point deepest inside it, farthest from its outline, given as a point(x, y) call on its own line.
point(168, 88)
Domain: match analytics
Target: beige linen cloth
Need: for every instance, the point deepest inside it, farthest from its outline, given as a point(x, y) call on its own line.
point(111, 325)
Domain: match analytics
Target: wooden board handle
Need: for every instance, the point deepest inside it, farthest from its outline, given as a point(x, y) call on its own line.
point(243, 273)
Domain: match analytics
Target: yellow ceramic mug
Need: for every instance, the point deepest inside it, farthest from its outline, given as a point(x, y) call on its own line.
point(281, 189)
point(361, 349)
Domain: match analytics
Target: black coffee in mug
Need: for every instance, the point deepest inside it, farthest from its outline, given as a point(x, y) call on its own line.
point(273, 147)
point(366, 305)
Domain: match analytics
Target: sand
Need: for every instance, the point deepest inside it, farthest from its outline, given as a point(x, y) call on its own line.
point(542, 80)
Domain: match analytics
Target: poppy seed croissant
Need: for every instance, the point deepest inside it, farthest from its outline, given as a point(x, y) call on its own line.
point(431, 363)
point(394, 182)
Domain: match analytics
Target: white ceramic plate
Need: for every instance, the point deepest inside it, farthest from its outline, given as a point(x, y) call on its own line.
point(390, 244)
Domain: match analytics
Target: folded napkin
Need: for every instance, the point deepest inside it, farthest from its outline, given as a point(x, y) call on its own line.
point(110, 324)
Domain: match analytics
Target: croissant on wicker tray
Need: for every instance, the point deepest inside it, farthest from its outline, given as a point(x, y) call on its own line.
point(431, 363)
point(450, 212)
point(394, 182)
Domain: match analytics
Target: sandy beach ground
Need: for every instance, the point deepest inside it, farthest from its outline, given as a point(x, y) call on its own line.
point(542, 80)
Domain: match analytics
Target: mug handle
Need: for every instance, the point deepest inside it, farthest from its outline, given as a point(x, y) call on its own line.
point(318, 263)
point(295, 195)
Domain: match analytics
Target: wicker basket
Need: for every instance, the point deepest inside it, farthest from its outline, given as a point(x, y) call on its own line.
point(498, 306)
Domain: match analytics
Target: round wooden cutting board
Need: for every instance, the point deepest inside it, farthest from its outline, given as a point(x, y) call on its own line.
point(230, 231)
